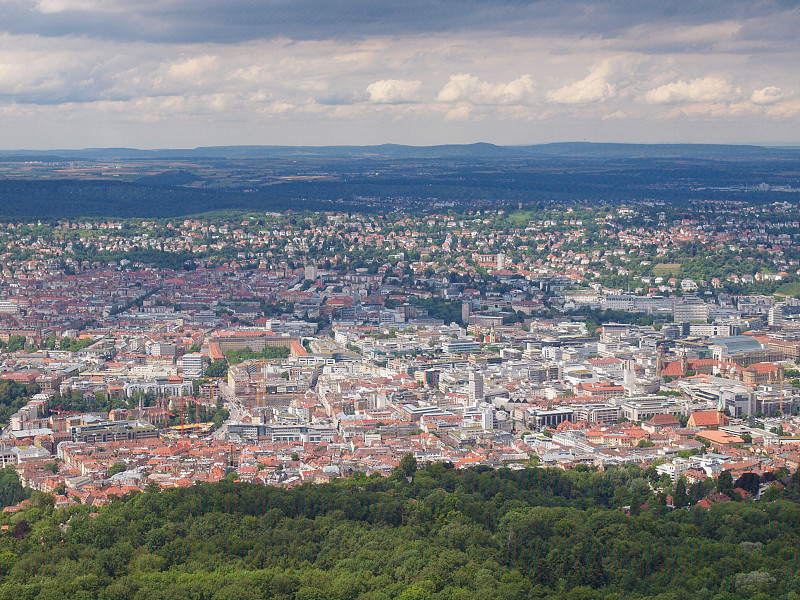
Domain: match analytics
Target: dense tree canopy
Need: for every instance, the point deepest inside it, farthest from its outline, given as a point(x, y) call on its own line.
point(445, 534)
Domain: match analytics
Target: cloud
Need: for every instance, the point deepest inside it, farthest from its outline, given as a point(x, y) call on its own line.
point(595, 87)
point(234, 21)
point(702, 89)
point(518, 71)
point(468, 88)
point(766, 96)
point(193, 69)
point(460, 112)
point(393, 91)
point(59, 6)
point(617, 115)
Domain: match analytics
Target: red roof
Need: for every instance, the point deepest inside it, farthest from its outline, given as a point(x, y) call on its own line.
point(704, 418)
point(663, 420)
point(604, 361)
point(764, 367)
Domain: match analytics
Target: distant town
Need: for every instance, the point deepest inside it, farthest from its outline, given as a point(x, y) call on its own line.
point(296, 347)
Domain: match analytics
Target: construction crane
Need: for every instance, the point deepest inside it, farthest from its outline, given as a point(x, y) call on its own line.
point(261, 383)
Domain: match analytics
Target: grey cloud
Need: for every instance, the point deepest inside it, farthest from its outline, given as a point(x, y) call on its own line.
point(232, 21)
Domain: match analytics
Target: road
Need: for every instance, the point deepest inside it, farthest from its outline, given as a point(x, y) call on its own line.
point(235, 408)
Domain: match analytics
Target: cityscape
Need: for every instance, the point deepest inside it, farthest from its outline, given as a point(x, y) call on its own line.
point(303, 347)
point(373, 366)
point(399, 301)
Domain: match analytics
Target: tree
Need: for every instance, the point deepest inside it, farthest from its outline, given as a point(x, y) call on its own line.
point(218, 368)
point(116, 468)
point(680, 497)
point(407, 466)
point(11, 490)
point(20, 530)
point(725, 484)
point(695, 492)
point(749, 482)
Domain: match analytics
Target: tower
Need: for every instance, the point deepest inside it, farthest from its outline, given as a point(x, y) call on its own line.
point(684, 361)
point(475, 387)
point(629, 376)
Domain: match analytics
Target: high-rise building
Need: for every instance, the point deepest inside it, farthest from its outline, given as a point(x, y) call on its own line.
point(310, 272)
point(475, 387)
point(488, 420)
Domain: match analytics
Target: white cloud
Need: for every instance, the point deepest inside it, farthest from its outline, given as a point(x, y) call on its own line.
point(702, 89)
point(438, 88)
point(194, 69)
point(393, 91)
point(767, 95)
point(468, 88)
point(595, 87)
point(616, 115)
point(460, 112)
point(58, 6)
point(459, 87)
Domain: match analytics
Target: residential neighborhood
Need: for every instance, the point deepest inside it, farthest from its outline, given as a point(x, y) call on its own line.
point(303, 359)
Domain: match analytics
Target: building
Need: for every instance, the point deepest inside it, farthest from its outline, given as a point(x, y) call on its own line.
point(713, 329)
point(785, 313)
point(540, 419)
point(194, 365)
point(113, 431)
point(765, 372)
point(595, 412)
point(459, 346)
point(720, 440)
point(707, 419)
point(475, 387)
point(488, 417)
point(641, 409)
point(310, 272)
point(274, 432)
point(729, 348)
point(690, 312)
point(162, 349)
point(659, 422)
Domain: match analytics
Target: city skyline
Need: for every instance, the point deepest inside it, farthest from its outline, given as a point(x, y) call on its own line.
point(80, 73)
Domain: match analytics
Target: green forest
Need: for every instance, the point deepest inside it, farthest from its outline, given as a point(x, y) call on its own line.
point(430, 533)
point(491, 182)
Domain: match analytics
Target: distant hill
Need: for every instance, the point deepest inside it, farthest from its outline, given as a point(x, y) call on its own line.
point(464, 151)
point(389, 177)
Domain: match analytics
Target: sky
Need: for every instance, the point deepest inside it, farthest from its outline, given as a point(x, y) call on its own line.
point(187, 73)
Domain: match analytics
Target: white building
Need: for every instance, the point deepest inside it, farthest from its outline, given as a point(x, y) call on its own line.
point(194, 365)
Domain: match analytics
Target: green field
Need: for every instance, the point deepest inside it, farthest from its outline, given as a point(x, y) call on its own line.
point(789, 289)
point(667, 269)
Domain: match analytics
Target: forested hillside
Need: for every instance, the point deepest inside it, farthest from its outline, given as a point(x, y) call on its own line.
point(381, 184)
point(473, 534)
